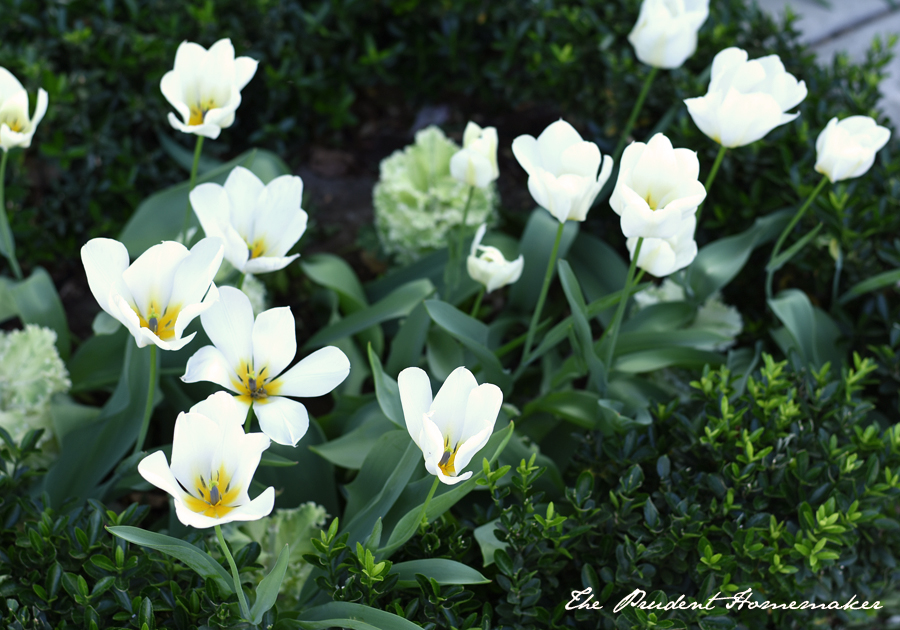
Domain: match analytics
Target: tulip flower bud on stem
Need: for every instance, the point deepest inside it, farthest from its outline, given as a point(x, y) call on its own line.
point(551, 265)
point(770, 271)
point(151, 393)
point(712, 176)
point(614, 326)
point(245, 609)
point(477, 304)
point(5, 231)
point(187, 213)
point(635, 112)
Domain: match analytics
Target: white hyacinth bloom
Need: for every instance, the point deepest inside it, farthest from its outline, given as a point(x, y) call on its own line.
point(213, 462)
point(259, 223)
point(451, 428)
point(248, 357)
point(746, 98)
point(160, 293)
point(17, 127)
point(562, 170)
point(205, 87)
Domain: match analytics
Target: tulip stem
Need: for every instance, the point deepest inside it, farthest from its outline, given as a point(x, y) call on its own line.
point(423, 516)
point(245, 609)
point(770, 272)
point(187, 213)
point(451, 278)
point(551, 265)
point(148, 409)
point(249, 419)
point(616, 323)
point(712, 176)
point(635, 112)
point(240, 282)
point(477, 304)
point(5, 231)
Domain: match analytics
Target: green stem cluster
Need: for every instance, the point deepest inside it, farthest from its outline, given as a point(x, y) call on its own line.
point(148, 408)
point(455, 246)
point(9, 244)
point(614, 326)
point(187, 213)
point(245, 609)
point(635, 112)
point(712, 177)
point(548, 276)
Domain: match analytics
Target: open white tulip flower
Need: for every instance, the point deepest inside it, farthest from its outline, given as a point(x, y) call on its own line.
point(665, 34)
point(490, 267)
point(205, 87)
point(746, 99)
point(476, 163)
point(248, 357)
point(160, 293)
point(16, 126)
point(847, 148)
point(259, 223)
point(455, 425)
point(213, 462)
point(562, 170)
point(664, 256)
point(657, 189)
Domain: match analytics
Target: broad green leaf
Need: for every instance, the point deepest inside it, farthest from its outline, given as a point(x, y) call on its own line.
point(387, 392)
point(665, 316)
point(407, 345)
point(398, 304)
point(98, 361)
point(326, 624)
point(442, 353)
point(430, 267)
point(577, 406)
point(336, 611)
point(90, 453)
point(105, 324)
point(812, 332)
point(719, 262)
point(350, 450)
point(276, 461)
point(160, 217)
point(582, 326)
point(382, 477)
point(487, 540)
point(631, 342)
point(267, 591)
point(537, 244)
point(651, 360)
point(474, 336)
point(67, 415)
point(441, 569)
point(450, 495)
point(600, 270)
point(879, 281)
point(200, 561)
point(7, 305)
point(184, 157)
point(37, 302)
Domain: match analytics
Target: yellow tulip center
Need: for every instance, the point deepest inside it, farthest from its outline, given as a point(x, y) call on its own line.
point(198, 112)
point(14, 124)
point(257, 248)
point(253, 386)
point(650, 201)
point(217, 496)
point(160, 320)
point(448, 463)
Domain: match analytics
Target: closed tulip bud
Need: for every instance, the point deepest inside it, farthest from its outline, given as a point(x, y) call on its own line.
point(205, 87)
point(476, 163)
point(847, 148)
point(658, 188)
point(562, 170)
point(746, 99)
point(491, 268)
point(664, 256)
point(665, 34)
point(16, 126)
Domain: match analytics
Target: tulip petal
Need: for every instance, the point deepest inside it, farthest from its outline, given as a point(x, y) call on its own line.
point(244, 70)
point(415, 399)
point(266, 264)
point(195, 443)
point(192, 311)
point(449, 405)
point(9, 84)
point(229, 325)
point(525, 149)
point(279, 221)
point(150, 277)
point(105, 260)
point(285, 421)
point(155, 469)
point(244, 189)
point(553, 141)
point(209, 364)
point(195, 274)
point(582, 158)
point(274, 342)
point(315, 375)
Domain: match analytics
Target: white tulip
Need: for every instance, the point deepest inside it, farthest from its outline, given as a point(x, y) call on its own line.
point(746, 99)
point(658, 188)
point(205, 87)
point(160, 293)
point(491, 268)
point(476, 163)
point(16, 126)
point(455, 425)
point(847, 148)
point(562, 170)
point(664, 256)
point(213, 462)
point(258, 223)
point(248, 357)
point(665, 34)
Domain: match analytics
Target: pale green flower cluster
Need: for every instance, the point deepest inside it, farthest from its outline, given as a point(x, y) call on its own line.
point(713, 315)
point(417, 201)
point(294, 527)
point(31, 372)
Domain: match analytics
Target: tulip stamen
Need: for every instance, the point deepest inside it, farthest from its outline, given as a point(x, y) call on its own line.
point(256, 249)
point(153, 324)
point(214, 501)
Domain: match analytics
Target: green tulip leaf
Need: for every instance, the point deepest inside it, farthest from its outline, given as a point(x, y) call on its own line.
point(267, 591)
point(442, 570)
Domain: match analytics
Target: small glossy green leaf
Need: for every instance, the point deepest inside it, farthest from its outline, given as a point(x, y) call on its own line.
point(876, 282)
point(267, 592)
point(487, 540)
